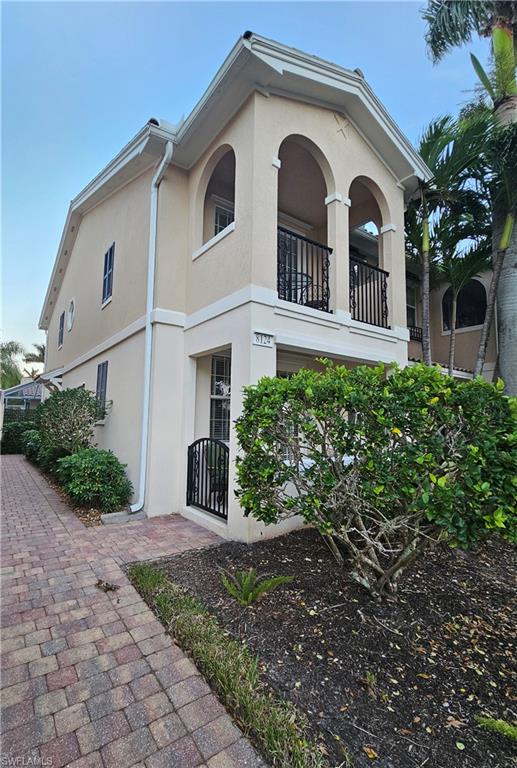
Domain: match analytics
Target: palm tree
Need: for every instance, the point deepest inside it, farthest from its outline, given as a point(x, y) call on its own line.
point(10, 373)
point(35, 357)
point(451, 150)
point(462, 255)
point(452, 23)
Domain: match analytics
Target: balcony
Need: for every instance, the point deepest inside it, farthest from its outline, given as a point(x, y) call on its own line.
point(368, 293)
point(303, 270)
point(415, 333)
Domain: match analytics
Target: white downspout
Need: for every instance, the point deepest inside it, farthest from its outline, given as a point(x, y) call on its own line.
point(148, 349)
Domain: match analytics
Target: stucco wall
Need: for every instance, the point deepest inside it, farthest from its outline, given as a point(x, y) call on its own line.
point(123, 218)
point(467, 340)
point(121, 430)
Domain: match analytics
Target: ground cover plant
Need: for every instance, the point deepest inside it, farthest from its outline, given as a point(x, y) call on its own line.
point(233, 671)
point(392, 684)
point(384, 462)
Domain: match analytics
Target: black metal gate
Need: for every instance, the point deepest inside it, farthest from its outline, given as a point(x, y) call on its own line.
point(207, 476)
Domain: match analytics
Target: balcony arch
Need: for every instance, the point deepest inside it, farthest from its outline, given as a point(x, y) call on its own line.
point(216, 193)
point(369, 265)
point(304, 181)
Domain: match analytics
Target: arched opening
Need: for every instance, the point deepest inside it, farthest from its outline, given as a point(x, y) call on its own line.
point(219, 202)
point(368, 279)
point(471, 306)
point(303, 253)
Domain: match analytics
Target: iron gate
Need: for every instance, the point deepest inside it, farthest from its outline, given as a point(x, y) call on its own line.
point(207, 476)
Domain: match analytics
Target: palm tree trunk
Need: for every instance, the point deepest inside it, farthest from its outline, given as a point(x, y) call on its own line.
point(452, 339)
point(506, 115)
point(426, 327)
point(507, 316)
point(492, 293)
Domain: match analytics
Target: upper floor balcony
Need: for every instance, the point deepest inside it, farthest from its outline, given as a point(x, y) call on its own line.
point(336, 252)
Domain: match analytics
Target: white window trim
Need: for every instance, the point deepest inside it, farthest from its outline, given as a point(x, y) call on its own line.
point(468, 329)
point(70, 317)
point(108, 301)
point(213, 241)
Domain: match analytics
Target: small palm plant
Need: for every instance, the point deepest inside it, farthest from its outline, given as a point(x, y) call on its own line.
point(246, 588)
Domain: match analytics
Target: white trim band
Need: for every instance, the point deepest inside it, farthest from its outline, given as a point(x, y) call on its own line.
point(388, 228)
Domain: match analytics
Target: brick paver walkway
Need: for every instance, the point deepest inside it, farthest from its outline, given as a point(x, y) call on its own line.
point(90, 679)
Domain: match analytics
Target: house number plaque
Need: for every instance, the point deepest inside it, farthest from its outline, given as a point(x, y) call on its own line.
point(261, 339)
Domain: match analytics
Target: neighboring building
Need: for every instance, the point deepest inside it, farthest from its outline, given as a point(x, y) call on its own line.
point(25, 396)
point(472, 301)
point(238, 244)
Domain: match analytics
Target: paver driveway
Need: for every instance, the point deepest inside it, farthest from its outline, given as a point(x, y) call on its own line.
point(90, 679)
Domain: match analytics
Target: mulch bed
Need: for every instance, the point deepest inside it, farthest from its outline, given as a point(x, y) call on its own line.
point(89, 517)
point(397, 685)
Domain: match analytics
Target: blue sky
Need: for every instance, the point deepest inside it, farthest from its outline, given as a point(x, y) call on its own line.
point(80, 79)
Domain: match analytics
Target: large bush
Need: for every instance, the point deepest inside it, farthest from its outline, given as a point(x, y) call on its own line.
point(66, 422)
point(12, 435)
point(384, 462)
point(95, 478)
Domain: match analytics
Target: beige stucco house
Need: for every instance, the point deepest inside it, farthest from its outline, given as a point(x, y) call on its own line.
point(264, 231)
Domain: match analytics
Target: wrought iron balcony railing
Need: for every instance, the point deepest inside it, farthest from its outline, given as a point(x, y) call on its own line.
point(368, 293)
point(303, 270)
point(415, 333)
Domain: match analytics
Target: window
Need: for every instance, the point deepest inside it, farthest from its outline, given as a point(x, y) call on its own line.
point(471, 306)
point(107, 277)
point(411, 305)
point(102, 381)
point(61, 331)
point(71, 315)
point(223, 218)
point(220, 388)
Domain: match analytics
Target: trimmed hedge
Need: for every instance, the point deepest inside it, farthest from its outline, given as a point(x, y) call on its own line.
point(95, 478)
point(12, 436)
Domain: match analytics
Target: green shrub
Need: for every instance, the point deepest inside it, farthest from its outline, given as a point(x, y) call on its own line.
point(95, 478)
point(384, 462)
point(31, 442)
point(66, 422)
point(12, 436)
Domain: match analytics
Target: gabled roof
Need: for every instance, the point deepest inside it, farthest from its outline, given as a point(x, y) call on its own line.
point(254, 63)
point(31, 390)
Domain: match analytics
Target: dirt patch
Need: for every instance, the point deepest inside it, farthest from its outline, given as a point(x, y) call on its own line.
point(396, 685)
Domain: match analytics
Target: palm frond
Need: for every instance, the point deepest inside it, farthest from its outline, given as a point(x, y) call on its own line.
point(451, 23)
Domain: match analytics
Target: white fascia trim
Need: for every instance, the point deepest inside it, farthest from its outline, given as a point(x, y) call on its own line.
point(168, 317)
point(251, 293)
point(213, 241)
point(324, 71)
point(133, 149)
point(117, 338)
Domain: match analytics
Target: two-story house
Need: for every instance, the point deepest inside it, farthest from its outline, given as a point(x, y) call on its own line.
point(229, 247)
